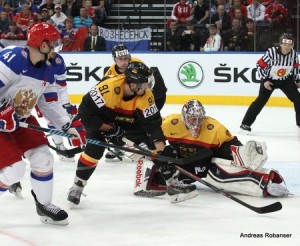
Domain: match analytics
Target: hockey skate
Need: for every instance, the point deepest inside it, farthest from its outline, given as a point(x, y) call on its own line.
point(75, 192)
point(61, 146)
point(50, 214)
point(179, 191)
point(244, 129)
point(16, 189)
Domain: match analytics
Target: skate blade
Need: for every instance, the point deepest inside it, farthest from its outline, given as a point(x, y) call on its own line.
point(183, 197)
point(72, 205)
point(62, 158)
point(18, 195)
point(244, 132)
point(149, 194)
point(49, 221)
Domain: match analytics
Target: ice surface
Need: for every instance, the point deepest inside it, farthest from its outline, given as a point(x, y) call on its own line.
point(111, 215)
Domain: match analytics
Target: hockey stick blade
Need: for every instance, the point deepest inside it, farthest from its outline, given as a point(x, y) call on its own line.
point(69, 153)
point(260, 210)
point(204, 153)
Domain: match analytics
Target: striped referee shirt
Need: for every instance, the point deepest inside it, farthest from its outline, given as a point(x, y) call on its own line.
point(276, 66)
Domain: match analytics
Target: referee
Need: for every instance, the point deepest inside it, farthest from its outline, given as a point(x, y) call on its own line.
point(278, 69)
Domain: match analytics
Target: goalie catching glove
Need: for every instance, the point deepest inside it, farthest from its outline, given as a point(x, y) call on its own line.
point(77, 130)
point(9, 120)
point(252, 155)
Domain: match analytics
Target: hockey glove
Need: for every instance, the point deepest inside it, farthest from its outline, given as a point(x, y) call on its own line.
point(9, 120)
point(167, 169)
point(76, 128)
point(115, 132)
point(252, 155)
point(71, 109)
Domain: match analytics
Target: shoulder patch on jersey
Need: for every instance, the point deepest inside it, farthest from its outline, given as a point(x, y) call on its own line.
point(210, 126)
point(117, 90)
point(174, 121)
point(58, 60)
point(109, 72)
point(24, 53)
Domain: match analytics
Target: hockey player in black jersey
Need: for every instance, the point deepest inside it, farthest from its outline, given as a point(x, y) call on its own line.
point(112, 107)
point(122, 59)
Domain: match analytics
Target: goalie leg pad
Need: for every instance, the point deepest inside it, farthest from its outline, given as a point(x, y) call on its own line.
point(148, 181)
point(245, 181)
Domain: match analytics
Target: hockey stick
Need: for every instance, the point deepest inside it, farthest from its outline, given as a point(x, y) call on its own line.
point(69, 153)
point(183, 161)
point(261, 210)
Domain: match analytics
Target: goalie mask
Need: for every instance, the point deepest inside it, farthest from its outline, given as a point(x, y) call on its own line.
point(193, 115)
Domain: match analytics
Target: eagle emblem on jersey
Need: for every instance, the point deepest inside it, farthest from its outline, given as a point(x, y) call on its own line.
point(117, 90)
point(281, 72)
point(210, 126)
point(24, 101)
point(174, 122)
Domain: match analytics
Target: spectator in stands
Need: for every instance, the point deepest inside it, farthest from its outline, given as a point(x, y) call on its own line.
point(48, 5)
point(37, 3)
point(238, 15)
point(276, 14)
point(59, 17)
point(256, 11)
point(248, 37)
point(99, 6)
point(173, 37)
point(82, 20)
point(14, 33)
point(236, 4)
point(67, 8)
point(266, 3)
point(94, 42)
point(68, 35)
point(191, 38)
point(222, 16)
point(90, 11)
point(215, 4)
point(77, 5)
point(32, 7)
point(200, 12)
point(4, 22)
point(214, 42)
point(13, 4)
point(23, 17)
point(233, 36)
point(44, 15)
point(181, 12)
point(7, 8)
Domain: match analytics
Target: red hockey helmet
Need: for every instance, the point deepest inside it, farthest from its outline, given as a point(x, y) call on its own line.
point(41, 32)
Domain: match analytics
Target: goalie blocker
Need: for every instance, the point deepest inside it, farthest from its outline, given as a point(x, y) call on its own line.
point(244, 175)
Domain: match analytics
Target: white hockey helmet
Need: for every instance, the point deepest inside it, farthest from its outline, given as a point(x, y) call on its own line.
point(193, 115)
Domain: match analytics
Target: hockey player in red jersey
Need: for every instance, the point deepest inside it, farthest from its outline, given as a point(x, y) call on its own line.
point(233, 166)
point(26, 80)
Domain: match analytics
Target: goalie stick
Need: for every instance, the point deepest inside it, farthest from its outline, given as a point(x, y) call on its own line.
point(205, 153)
point(261, 210)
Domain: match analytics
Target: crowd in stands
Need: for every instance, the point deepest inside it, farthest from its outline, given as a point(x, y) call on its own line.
point(224, 25)
point(73, 18)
